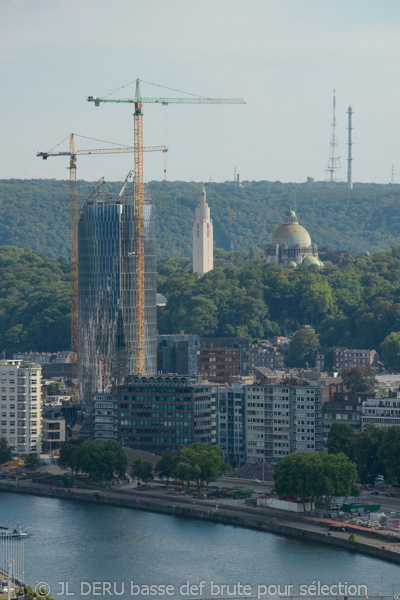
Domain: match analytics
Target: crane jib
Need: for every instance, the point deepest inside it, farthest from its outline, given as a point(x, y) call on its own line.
point(168, 100)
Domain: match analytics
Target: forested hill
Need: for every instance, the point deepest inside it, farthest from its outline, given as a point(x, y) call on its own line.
point(35, 214)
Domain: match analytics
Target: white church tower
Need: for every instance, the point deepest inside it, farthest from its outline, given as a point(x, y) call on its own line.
point(203, 245)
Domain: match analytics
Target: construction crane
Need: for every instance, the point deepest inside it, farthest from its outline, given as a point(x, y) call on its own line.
point(138, 101)
point(73, 207)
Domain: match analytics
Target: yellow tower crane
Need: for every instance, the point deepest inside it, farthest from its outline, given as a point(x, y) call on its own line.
point(138, 101)
point(73, 153)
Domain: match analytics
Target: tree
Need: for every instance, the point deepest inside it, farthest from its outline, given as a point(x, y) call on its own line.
point(390, 349)
point(166, 465)
point(54, 387)
point(142, 470)
point(31, 462)
point(341, 438)
point(389, 453)
point(301, 348)
point(5, 451)
point(199, 463)
point(314, 475)
point(68, 457)
point(367, 444)
point(119, 457)
point(317, 299)
point(97, 459)
point(359, 379)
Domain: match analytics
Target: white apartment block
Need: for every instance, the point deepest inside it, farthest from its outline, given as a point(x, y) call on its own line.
point(281, 419)
point(20, 405)
point(381, 412)
point(105, 416)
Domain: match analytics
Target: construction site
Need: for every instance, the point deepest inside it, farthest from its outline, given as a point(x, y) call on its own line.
point(113, 267)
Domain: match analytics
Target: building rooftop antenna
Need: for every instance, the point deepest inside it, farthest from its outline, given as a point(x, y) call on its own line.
point(334, 160)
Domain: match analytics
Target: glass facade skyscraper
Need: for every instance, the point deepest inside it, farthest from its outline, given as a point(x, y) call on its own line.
point(106, 258)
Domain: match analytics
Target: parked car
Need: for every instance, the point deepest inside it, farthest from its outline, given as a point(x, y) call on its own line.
point(255, 480)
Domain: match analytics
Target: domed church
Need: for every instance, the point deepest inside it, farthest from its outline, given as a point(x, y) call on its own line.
point(291, 245)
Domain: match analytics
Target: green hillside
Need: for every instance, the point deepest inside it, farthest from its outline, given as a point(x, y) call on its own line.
point(35, 214)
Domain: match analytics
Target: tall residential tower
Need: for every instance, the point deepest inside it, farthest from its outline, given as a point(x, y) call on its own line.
point(106, 253)
point(203, 240)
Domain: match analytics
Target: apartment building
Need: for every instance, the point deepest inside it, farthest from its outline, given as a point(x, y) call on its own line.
point(344, 358)
point(381, 412)
point(283, 418)
point(342, 406)
point(20, 405)
point(105, 415)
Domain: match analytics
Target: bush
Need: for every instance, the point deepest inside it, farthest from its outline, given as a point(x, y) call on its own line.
point(352, 538)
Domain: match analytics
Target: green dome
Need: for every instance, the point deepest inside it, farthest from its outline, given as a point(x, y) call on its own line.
point(291, 234)
point(311, 260)
point(291, 264)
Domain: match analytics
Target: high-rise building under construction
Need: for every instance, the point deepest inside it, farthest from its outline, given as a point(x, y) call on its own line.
point(106, 259)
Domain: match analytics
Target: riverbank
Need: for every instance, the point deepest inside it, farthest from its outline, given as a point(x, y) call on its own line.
point(252, 518)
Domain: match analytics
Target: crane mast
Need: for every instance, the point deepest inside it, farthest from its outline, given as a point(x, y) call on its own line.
point(73, 211)
point(140, 362)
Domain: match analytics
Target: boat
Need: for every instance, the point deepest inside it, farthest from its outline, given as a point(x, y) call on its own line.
point(5, 532)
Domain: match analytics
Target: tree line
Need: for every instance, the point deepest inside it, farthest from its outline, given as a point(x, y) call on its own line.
point(196, 463)
point(375, 451)
point(353, 303)
point(35, 214)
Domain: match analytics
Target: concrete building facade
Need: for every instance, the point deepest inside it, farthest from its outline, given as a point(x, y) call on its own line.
point(381, 412)
point(281, 419)
point(105, 415)
point(203, 238)
point(20, 405)
point(342, 407)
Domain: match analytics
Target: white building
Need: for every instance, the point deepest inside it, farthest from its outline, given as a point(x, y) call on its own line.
point(20, 405)
point(203, 239)
point(105, 416)
point(381, 412)
point(281, 419)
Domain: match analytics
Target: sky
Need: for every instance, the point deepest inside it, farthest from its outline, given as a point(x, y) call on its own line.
point(283, 57)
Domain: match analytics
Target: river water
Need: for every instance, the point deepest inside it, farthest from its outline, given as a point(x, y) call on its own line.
point(88, 550)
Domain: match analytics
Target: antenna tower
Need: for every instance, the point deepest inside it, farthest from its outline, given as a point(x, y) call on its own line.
point(349, 153)
point(334, 161)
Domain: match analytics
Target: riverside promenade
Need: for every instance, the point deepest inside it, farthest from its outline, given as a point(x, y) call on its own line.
point(381, 545)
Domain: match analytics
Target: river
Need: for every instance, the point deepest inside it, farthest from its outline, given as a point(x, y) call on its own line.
point(89, 550)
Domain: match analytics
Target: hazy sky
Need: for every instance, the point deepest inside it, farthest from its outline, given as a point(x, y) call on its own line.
point(284, 57)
